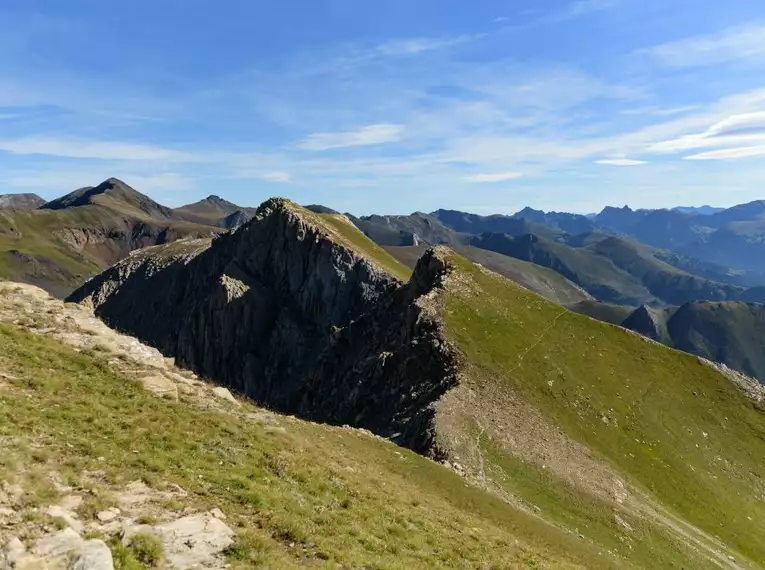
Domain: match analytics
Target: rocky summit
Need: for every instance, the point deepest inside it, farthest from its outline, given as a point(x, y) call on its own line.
point(285, 312)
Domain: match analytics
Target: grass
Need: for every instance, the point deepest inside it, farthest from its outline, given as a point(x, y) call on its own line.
point(352, 238)
point(678, 430)
point(310, 494)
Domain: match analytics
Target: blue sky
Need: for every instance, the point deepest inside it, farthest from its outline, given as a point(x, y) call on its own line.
point(388, 106)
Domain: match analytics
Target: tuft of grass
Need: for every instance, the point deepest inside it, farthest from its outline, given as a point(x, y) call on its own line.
point(147, 549)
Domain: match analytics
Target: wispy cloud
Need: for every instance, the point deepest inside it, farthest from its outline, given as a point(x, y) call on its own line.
point(733, 131)
point(492, 177)
point(620, 162)
point(106, 150)
point(729, 153)
point(365, 136)
point(412, 46)
point(731, 44)
point(276, 176)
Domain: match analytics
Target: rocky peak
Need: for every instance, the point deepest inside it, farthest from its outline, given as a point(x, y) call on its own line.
point(285, 312)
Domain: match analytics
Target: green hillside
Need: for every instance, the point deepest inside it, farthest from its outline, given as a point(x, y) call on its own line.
point(297, 494)
point(77, 236)
point(672, 426)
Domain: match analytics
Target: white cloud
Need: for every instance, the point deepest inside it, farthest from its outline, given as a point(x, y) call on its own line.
point(620, 162)
point(106, 150)
point(276, 176)
point(730, 153)
point(733, 131)
point(731, 44)
point(492, 177)
point(412, 46)
point(369, 135)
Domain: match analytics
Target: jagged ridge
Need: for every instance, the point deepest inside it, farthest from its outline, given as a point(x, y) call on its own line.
point(285, 313)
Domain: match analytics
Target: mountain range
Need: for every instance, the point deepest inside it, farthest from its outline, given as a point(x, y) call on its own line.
point(301, 344)
point(610, 266)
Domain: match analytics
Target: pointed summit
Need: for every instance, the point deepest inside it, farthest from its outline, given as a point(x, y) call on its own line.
point(115, 194)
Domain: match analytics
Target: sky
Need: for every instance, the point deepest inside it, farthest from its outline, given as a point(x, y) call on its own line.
point(388, 106)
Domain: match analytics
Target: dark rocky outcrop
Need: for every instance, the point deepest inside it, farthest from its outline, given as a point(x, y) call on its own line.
point(281, 311)
point(650, 322)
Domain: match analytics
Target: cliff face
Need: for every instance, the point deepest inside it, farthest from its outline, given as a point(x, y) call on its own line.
point(283, 312)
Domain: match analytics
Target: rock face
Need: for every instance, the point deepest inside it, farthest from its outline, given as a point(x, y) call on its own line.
point(20, 201)
point(284, 313)
point(650, 322)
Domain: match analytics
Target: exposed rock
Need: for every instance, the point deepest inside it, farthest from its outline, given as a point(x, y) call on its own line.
point(284, 313)
point(108, 515)
point(93, 555)
point(161, 386)
point(224, 394)
point(56, 511)
point(194, 541)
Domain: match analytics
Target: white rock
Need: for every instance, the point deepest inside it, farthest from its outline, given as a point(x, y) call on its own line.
point(224, 394)
point(106, 516)
point(68, 516)
point(194, 541)
point(160, 386)
point(93, 555)
point(57, 545)
point(218, 514)
point(71, 502)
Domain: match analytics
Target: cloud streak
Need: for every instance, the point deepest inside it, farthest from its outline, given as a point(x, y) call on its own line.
point(105, 150)
point(489, 178)
point(733, 131)
point(732, 44)
point(365, 136)
point(620, 162)
point(729, 153)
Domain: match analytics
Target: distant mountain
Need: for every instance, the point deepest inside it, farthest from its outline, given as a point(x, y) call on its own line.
point(570, 223)
point(20, 201)
point(541, 280)
point(613, 269)
point(732, 333)
point(413, 230)
point(234, 220)
point(734, 238)
point(112, 193)
point(72, 238)
point(211, 211)
point(700, 210)
point(464, 222)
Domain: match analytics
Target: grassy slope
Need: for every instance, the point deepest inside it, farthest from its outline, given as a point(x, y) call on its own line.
point(541, 280)
point(60, 267)
point(339, 496)
point(344, 230)
point(676, 428)
point(606, 312)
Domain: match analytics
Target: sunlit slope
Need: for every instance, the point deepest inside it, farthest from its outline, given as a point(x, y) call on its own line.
point(296, 493)
point(660, 422)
